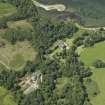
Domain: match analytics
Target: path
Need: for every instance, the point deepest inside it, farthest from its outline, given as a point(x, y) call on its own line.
point(90, 29)
point(58, 7)
point(1, 62)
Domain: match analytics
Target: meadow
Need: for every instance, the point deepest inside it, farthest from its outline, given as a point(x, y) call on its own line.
point(61, 82)
point(6, 97)
point(99, 77)
point(6, 8)
point(15, 56)
point(20, 24)
point(89, 55)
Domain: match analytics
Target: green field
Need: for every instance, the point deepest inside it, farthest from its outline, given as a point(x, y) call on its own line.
point(6, 97)
point(6, 8)
point(99, 77)
point(16, 56)
point(89, 55)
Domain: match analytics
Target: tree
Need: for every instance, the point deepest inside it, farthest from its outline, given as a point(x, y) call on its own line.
point(99, 64)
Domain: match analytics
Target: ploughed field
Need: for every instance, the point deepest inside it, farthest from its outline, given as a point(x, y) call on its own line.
point(91, 12)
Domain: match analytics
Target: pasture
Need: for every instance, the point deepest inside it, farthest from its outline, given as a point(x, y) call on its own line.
point(99, 77)
point(89, 55)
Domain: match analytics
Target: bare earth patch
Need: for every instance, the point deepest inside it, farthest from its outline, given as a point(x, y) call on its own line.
point(58, 7)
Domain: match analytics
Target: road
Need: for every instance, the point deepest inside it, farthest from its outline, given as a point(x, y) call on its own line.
point(90, 29)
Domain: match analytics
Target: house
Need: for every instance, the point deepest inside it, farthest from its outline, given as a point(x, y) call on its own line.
point(31, 82)
point(62, 45)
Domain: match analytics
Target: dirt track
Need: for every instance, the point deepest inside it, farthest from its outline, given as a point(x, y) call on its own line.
point(58, 7)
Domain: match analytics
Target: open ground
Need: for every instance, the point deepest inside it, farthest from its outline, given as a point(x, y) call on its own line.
point(88, 56)
point(16, 56)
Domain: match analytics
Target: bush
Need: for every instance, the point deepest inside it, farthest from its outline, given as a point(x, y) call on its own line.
point(17, 34)
point(3, 22)
point(99, 64)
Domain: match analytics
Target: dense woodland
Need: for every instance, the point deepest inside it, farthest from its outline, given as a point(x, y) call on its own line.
point(44, 33)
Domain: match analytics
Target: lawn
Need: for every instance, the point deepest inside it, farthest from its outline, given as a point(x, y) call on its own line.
point(6, 8)
point(99, 77)
point(16, 56)
point(6, 97)
point(89, 55)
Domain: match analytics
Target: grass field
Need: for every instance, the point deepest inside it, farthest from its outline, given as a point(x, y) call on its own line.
point(89, 55)
point(99, 77)
point(6, 8)
point(16, 56)
point(21, 24)
point(61, 82)
point(6, 97)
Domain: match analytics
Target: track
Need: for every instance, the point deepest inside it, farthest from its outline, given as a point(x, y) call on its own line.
point(58, 7)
